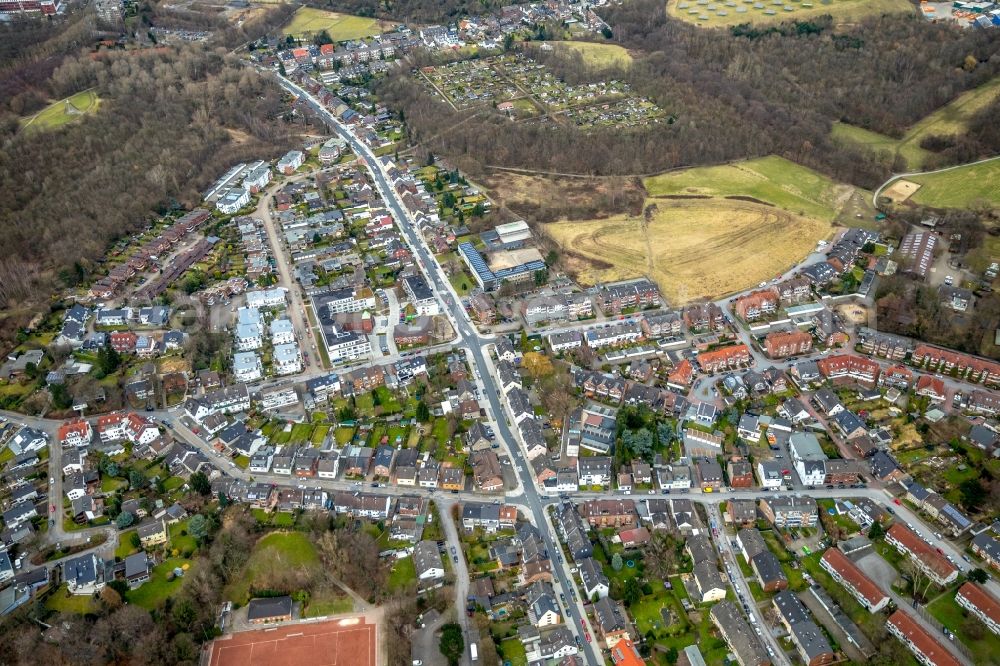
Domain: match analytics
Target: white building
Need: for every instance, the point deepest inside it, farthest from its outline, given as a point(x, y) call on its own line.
point(267, 298)
point(247, 367)
point(421, 296)
point(258, 176)
point(346, 345)
point(286, 359)
point(232, 201)
point(248, 337)
point(282, 332)
point(292, 160)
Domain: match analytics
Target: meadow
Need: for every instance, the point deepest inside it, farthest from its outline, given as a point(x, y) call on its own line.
point(64, 111)
point(308, 21)
point(719, 13)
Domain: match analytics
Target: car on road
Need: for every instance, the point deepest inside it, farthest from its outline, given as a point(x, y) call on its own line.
point(896, 501)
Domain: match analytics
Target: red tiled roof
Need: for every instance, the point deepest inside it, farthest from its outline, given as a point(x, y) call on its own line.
point(625, 654)
point(931, 384)
point(981, 599)
point(78, 426)
point(726, 353)
point(956, 358)
point(921, 549)
point(928, 646)
point(847, 363)
point(853, 575)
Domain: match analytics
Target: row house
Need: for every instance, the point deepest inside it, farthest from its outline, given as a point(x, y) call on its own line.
point(924, 646)
point(633, 294)
point(756, 304)
point(726, 358)
point(980, 604)
point(704, 317)
point(662, 324)
point(617, 513)
point(964, 366)
point(794, 290)
point(884, 345)
point(847, 573)
point(848, 366)
point(932, 563)
point(781, 344)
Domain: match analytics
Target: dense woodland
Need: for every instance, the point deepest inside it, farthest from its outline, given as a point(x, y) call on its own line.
point(160, 135)
point(421, 11)
point(740, 93)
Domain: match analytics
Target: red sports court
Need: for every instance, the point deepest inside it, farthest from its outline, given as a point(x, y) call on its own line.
point(346, 642)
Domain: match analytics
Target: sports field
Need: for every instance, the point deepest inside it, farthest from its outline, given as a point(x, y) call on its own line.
point(693, 248)
point(64, 111)
point(951, 119)
point(309, 21)
point(596, 54)
point(773, 180)
point(348, 642)
point(716, 13)
point(960, 188)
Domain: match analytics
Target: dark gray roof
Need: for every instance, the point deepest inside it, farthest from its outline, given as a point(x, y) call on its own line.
point(263, 609)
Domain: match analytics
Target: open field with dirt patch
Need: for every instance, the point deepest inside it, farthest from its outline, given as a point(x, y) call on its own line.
point(960, 188)
point(64, 111)
point(901, 190)
point(713, 13)
point(772, 180)
point(552, 198)
point(595, 54)
point(693, 248)
point(951, 119)
point(309, 21)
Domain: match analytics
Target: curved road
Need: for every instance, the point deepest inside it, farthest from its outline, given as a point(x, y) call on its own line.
point(911, 174)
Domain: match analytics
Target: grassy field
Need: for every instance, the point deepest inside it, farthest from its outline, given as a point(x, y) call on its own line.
point(156, 590)
point(773, 180)
point(759, 12)
point(692, 248)
point(274, 552)
point(308, 21)
point(947, 611)
point(951, 119)
point(595, 54)
point(62, 601)
point(960, 188)
point(59, 113)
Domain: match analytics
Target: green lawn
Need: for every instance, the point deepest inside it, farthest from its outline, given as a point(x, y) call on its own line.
point(242, 461)
point(308, 21)
point(64, 111)
point(513, 652)
point(343, 435)
point(110, 484)
point(440, 430)
point(946, 610)
point(960, 188)
point(301, 432)
point(879, 143)
point(173, 483)
point(319, 434)
point(774, 180)
point(277, 549)
point(596, 54)
point(180, 540)
point(403, 573)
point(155, 591)
point(61, 601)
point(329, 606)
point(125, 547)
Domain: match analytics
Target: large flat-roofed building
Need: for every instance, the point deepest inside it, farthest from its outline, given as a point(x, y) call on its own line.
point(513, 232)
point(789, 511)
point(273, 609)
point(845, 572)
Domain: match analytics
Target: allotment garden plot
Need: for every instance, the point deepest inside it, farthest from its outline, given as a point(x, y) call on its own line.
point(525, 90)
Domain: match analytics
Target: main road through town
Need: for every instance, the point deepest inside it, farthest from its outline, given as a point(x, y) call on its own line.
point(470, 339)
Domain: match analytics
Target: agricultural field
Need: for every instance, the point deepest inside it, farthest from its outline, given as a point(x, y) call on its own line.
point(64, 111)
point(718, 13)
point(951, 119)
point(693, 248)
point(594, 54)
point(960, 188)
point(309, 21)
point(771, 180)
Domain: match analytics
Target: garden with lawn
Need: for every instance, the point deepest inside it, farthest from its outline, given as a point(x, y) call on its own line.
point(161, 584)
